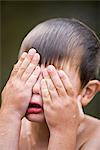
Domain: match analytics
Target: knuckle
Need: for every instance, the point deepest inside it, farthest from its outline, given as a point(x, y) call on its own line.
point(11, 83)
point(37, 70)
point(31, 65)
point(58, 86)
point(62, 93)
point(27, 71)
point(14, 72)
point(45, 93)
point(15, 68)
point(50, 87)
point(68, 103)
point(22, 69)
point(32, 79)
point(34, 75)
point(24, 54)
point(70, 91)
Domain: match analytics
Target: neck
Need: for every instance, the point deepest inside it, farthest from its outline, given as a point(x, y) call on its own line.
point(41, 134)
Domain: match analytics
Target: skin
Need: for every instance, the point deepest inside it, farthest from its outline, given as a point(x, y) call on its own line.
point(59, 98)
point(59, 94)
point(16, 96)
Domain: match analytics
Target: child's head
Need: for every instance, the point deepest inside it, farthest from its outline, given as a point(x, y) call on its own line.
point(68, 43)
point(66, 40)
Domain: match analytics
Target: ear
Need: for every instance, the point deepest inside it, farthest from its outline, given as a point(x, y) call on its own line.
point(89, 91)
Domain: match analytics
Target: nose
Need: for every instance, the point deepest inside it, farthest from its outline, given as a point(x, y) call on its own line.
point(36, 87)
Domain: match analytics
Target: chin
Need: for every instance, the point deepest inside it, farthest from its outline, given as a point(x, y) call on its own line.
point(36, 117)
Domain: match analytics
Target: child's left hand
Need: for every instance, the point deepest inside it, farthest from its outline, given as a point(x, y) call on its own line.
point(62, 109)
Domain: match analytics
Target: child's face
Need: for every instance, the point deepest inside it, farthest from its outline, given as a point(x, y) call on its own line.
point(37, 98)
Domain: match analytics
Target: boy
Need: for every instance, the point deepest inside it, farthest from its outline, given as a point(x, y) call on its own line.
point(42, 101)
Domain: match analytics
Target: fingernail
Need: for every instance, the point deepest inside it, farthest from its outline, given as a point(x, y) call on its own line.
point(37, 67)
point(50, 68)
point(37, 55)
point(32, 51)
point(60, 73)
point(24, 54)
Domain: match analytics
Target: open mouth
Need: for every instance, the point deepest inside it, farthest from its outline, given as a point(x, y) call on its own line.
point(34, 108)
point(34, 105)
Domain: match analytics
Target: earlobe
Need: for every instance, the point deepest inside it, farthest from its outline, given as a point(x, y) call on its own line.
point(90, 91)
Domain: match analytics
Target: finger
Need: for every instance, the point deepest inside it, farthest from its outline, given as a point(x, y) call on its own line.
point(66, 82)
point(26, 62)
point(33, 78)
point(56, 80)
point(50, 86)
point(18, 64)
point(29, 70)
point(45, 93)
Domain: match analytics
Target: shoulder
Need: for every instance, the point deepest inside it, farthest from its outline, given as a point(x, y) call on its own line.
point(93, 141)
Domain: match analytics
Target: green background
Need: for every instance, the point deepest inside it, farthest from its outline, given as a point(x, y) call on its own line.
point(19, 17)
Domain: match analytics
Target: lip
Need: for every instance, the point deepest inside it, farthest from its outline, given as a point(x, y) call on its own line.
point(34, 110)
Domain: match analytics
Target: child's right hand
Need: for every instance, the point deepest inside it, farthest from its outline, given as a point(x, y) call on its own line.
point(18, 91)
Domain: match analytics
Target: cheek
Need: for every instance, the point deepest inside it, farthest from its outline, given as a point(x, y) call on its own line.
point(73, 75)
point(75, 83)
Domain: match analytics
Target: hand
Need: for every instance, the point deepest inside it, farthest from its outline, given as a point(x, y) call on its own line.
point(62, 109)
point(18, 90)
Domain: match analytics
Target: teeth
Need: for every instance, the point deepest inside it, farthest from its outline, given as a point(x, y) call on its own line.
point(34, 105)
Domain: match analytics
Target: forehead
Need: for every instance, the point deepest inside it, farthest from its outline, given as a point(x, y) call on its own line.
point(68, 67)
point(71, 64)
point(71, 73)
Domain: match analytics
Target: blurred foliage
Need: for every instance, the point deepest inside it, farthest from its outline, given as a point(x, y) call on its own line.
point(19, 17)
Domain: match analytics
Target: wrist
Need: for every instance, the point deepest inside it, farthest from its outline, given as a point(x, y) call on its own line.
point(62, 140)
point(10, 126)
point(64, 131)
point(9, 114)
